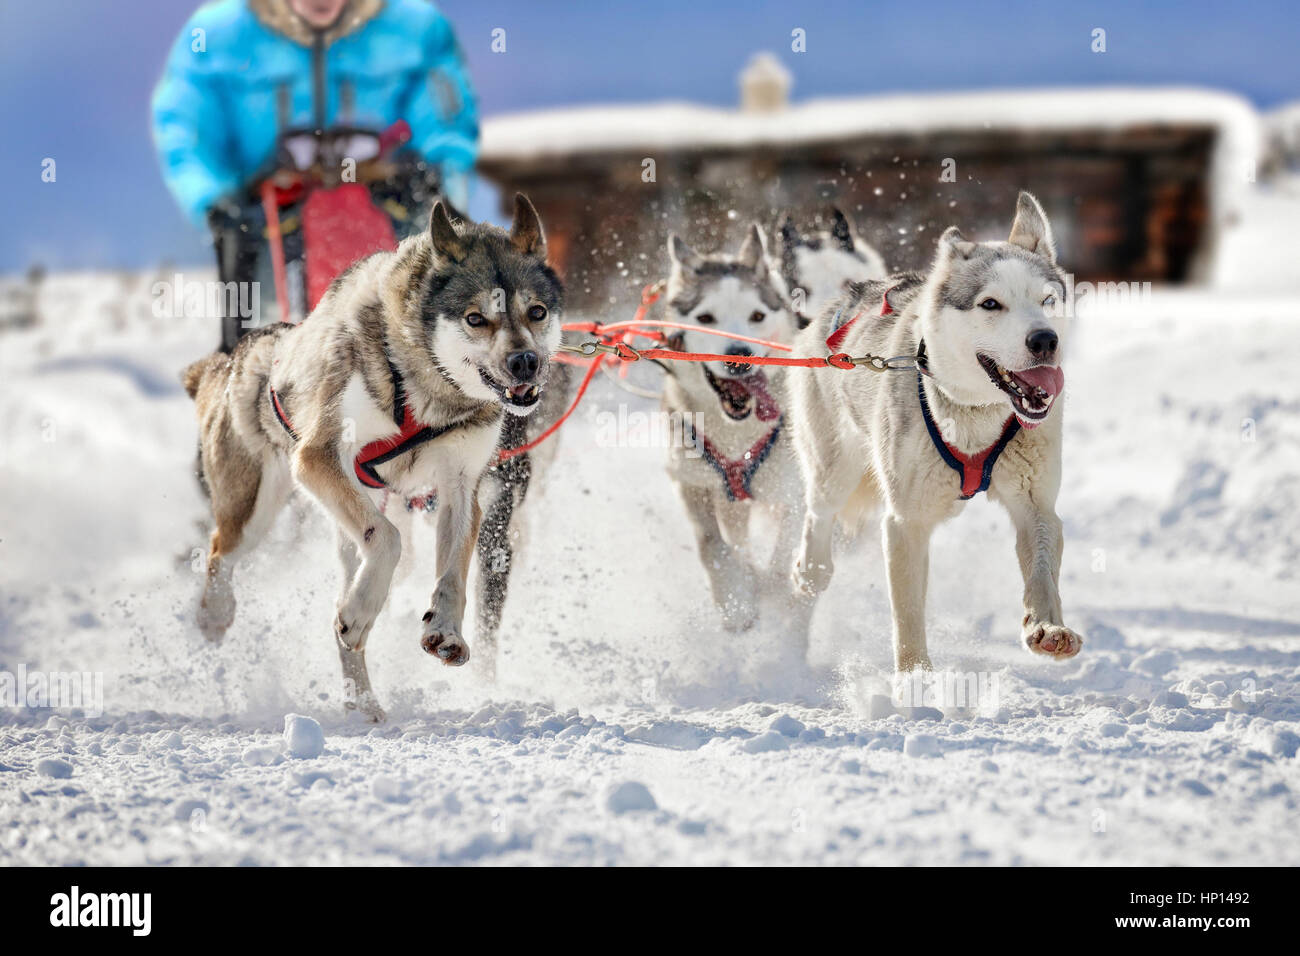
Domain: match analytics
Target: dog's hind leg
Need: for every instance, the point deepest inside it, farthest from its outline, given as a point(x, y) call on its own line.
point(787, 541)
point(217, 605)
point(246, 497)
point(797, 607)
point(829, 482)
point(357, 693)
point(907, 563)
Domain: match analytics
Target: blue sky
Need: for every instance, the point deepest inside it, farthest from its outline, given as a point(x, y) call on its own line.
point(75, 79)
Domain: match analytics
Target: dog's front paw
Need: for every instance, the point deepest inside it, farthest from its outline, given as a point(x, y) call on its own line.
point(356, 616)
point(350, 629)
point(738, 616)
point(442, 639)
point(810, 578)
point(1054, 640)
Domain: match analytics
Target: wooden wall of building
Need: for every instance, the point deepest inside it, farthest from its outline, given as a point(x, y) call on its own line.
point(1125, 205)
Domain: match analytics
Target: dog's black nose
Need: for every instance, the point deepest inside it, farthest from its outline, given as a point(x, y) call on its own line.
point(738, 367)
point(1042, 343)
point(523, 365)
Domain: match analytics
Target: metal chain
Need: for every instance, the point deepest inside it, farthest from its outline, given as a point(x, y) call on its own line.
point(877, 363)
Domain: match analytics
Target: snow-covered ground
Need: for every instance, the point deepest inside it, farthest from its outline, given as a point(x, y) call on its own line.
point(625, 725)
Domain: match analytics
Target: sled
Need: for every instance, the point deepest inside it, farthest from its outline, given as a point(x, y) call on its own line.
point(340, 222)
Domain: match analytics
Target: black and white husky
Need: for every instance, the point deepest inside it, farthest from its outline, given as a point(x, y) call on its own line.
point(980, 413)
point(816, 264)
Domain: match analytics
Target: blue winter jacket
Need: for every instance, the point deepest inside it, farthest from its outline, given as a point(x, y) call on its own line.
point(242, 71)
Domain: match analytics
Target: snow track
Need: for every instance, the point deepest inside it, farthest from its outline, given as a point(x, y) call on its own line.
point(1172, 738)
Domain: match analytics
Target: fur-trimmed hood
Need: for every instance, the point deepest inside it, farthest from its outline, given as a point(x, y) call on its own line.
point(278, 16)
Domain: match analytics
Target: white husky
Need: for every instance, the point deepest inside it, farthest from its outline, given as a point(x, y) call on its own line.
point(988, 328)
point(737, 456)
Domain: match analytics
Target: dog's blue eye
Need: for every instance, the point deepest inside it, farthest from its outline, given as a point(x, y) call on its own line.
point(1049, 301)
point(990, 305)
point(475, 319)
point(537, 313)
point(704, 318)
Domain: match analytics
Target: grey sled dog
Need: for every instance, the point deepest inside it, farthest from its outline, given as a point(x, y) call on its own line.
point(987, 320)
point(424, 350)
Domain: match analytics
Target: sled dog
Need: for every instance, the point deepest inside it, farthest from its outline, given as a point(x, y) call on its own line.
point(737, 455)
point(979, 413)
point(398, 381)
point(817, 264)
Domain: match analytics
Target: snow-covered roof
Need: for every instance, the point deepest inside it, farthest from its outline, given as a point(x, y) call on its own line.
point(1284, 124)
point(675, 125)
point(645, 129)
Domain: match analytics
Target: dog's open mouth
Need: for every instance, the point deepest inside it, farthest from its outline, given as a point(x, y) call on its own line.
point(523, 395)
point(1032, 391)
point(740, 396)
point(735, 397)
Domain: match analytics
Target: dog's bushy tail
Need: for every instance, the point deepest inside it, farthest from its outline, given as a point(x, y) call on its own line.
point(192, 377)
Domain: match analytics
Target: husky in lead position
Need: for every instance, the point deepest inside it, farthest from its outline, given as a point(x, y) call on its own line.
point(398, 380)
point(988, 327)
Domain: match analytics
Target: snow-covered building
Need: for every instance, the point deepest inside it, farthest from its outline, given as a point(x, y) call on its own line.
point(1138, 181)
point(1283, 126)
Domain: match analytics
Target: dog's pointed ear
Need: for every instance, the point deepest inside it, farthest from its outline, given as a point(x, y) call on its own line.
point(1031, 230)
point(789, 233)
point(526, 231)
point(753, 251)
point(446, 241)
point(841, 230)
point(953, 243)
point(682, 255)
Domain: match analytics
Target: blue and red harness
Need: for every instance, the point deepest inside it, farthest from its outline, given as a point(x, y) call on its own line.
point(410, 434)
point(739, 473)
point(975, 471)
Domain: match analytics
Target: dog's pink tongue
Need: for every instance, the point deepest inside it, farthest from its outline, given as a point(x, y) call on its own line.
point(1049, 378)
point(766, 407)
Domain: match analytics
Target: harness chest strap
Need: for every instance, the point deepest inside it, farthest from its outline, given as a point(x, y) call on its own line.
point(738, 474)
point(410, 433)
point(974, 470)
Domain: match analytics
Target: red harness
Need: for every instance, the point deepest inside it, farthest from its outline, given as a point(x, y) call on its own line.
point(975, 471)
point(410, 433)
point(840, 332)
point(738, 473)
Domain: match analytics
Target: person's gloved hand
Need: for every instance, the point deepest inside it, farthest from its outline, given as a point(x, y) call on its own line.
point(455, 186)
point(225, 213)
